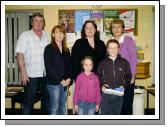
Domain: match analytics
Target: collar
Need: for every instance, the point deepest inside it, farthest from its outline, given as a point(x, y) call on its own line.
point(34, 32)
point(121, 39)
point(87, 75)
point(117, 57)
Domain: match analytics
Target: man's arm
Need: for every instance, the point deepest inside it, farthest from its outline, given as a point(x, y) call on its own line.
point(21, 64)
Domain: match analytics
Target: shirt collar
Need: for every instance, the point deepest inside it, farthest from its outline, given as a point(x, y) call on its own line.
point(121, 39)
point(34, 32)
point(88, 75)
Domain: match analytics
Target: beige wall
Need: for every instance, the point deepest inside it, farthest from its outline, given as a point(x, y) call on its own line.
point(145, 28)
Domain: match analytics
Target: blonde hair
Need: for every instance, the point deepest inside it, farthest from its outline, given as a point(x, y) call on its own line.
point(87, 57)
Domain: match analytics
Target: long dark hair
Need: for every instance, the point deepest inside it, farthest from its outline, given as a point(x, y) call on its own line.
point(64, 43)
point(97, 34)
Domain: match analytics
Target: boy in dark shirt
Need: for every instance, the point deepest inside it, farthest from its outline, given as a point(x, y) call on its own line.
point(114, 72)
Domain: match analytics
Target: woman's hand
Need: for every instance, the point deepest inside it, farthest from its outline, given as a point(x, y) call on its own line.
point(63, 83)
point(68, 81)
point(132, 80)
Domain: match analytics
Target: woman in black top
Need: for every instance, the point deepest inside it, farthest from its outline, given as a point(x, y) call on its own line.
point(58, 70)
point(88, 45)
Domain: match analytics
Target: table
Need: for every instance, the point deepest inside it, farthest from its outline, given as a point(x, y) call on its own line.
point(12, 92)
point(15, 92)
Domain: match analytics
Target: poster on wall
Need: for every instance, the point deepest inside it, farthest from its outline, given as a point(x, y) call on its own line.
point(97, 17)
point(80, 17)
point(128, 16)
point(66, 19)
point(73, 20)
point(109, 15)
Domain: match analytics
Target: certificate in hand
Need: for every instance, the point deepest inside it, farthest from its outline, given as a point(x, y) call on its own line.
point(117, 91)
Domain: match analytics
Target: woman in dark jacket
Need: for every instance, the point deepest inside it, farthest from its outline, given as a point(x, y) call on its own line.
point(88, 45)
point(58, 70)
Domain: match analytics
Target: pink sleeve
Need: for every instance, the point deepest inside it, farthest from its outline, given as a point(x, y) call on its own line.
point(98, 94)
point(76, 90)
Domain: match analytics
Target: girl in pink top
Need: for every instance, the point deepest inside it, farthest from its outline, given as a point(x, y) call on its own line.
point(87, 95)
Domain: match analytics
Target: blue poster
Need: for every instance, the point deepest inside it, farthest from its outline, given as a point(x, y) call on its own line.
point(80, 17)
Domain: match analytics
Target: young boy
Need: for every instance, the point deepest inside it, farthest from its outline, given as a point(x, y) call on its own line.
point(114, 72)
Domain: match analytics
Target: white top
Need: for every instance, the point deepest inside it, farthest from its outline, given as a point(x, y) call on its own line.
point(32, 48)
point(121, 39)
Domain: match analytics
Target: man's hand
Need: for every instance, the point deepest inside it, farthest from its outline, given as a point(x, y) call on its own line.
point(24, 79)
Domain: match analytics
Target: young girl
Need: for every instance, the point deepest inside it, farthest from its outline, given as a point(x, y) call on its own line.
point(87, 90)
point(114, 72)
point(58, 70)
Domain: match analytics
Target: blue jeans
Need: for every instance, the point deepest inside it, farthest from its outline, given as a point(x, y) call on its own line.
point(30, 92)
point(86, 108)
point(111, 104)
point(58, 96)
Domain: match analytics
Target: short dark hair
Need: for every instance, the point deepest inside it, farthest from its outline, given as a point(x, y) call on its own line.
point(97, 34)
point(112, 41)
point(38, 15)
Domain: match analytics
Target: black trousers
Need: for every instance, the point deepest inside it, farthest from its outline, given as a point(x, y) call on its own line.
point(127, 106)
point(30, 92)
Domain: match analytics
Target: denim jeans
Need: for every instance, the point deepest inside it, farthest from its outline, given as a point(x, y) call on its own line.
point(86, 108)
point(111, 104)
point(30, 92)
point(58, 96)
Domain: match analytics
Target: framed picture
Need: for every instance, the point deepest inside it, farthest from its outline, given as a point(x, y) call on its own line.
point(73, 20)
